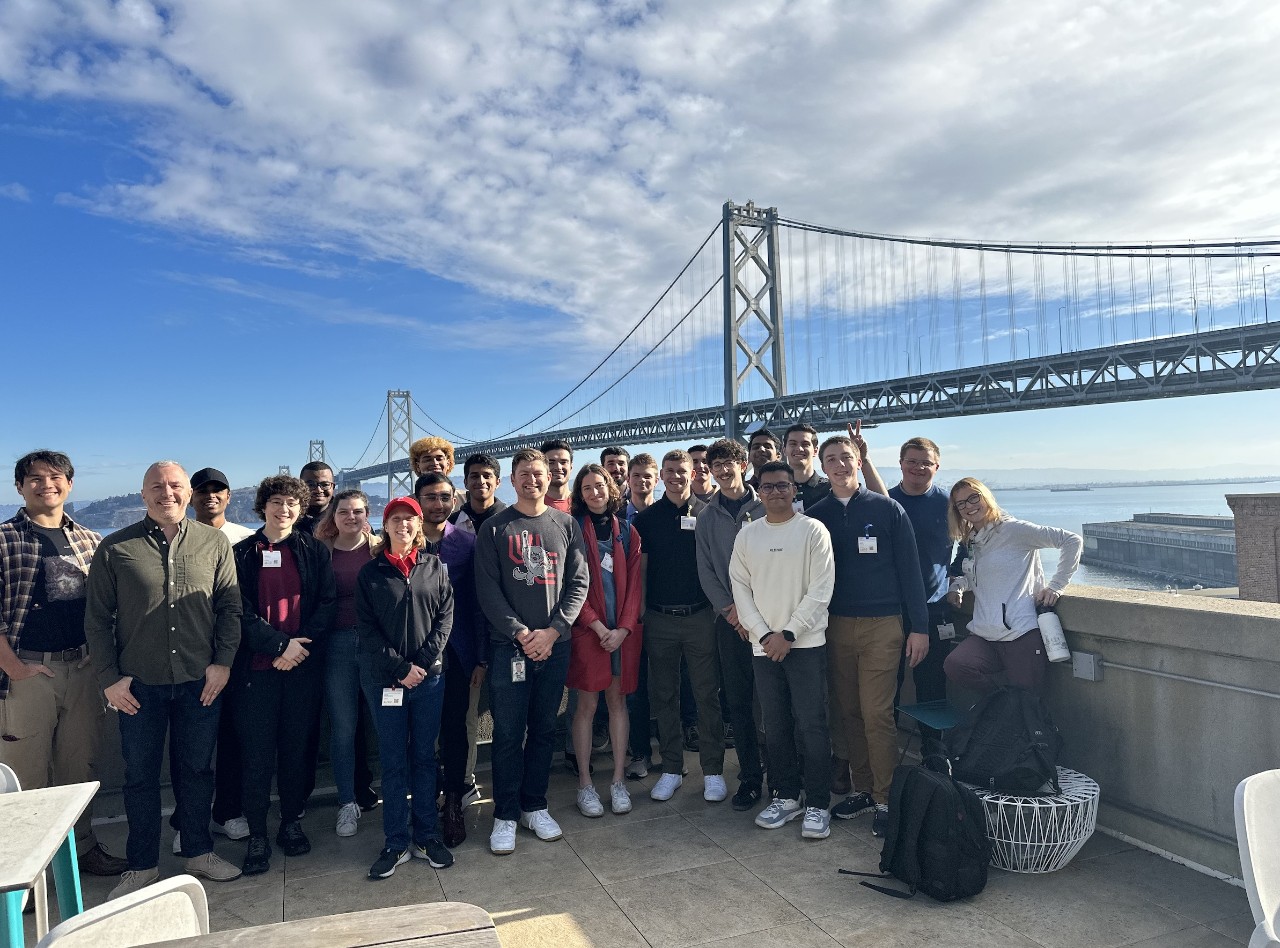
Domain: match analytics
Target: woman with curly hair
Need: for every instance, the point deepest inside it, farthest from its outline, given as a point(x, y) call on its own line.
point(605, 652)
point(288, 600)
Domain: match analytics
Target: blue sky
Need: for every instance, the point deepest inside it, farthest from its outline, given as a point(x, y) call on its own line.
point(226, 231)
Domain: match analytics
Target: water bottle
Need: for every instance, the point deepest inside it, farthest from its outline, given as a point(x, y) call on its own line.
point(1055, 642)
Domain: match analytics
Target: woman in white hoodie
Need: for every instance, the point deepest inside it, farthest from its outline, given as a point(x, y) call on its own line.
point(1004, 574)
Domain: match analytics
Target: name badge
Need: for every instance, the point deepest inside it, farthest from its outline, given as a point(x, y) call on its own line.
point(868, 545)
point(797, 506)
point(517, 669)
point(271, 558)
point(947, 630)
point(392, 697)
point(688, 523)
point(606, 562)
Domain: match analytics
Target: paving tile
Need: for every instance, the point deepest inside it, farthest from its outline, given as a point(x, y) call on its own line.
point(1239, 928)
point(1197, 936)
point(796, 935)
point(637, 850)
point(536, 868)
point(1191, 894)
point(698, 905)
point(895, 923)
point(333, 853)
point(807, 875)
point(586, 917)
point(737, 834)
point(1075, 909)
point(352, 891)
point(1100, 844)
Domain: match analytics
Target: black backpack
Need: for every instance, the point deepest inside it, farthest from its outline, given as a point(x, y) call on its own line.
point(1006, 742)
point(937, 837)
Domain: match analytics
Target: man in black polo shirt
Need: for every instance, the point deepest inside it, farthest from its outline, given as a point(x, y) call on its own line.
point(801, 446)
point(679, 621)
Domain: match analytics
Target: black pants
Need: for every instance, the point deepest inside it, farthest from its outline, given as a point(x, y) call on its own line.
point(275, 712)
point(929, 677)
point(453, 724)
point(738, 693)
point(793, 701)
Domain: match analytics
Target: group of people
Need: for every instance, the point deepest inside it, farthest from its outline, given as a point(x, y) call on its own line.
point(787, 605)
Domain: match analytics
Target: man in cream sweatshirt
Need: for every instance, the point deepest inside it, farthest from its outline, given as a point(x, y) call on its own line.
point(782, 572)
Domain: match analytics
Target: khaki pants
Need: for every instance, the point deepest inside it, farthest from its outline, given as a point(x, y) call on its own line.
point(51, 729)
point(862, 664)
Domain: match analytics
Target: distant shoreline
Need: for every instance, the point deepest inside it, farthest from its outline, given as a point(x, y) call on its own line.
point(1099, 485)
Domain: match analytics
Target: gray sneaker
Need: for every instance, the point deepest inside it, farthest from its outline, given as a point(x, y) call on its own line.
point(131, 880)
point(817, 823)
point(348, 819)
point(212, 866)
point(779, 813)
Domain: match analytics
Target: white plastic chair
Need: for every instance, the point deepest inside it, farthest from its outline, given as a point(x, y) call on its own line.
point(1258, 835)
point(9, 783)
point(165, 910)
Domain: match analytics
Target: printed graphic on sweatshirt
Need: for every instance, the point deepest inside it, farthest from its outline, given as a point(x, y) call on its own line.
point(537, 564)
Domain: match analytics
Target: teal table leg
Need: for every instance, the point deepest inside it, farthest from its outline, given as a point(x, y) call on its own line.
point(12, 934)
point(66, 877)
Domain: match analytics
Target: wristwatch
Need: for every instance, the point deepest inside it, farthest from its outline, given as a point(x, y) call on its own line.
point(788, 635)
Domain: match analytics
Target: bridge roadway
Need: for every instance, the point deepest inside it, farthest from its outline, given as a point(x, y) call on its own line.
point(1207, 363)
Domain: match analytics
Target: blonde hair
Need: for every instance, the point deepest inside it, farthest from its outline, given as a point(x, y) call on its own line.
point(957, 526)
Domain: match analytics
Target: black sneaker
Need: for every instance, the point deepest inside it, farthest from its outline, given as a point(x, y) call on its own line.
point(368, 798)
point(385, 865)
point(434, 852)
point(746, 797)
point(880, 823)
point(859, 804)
point(292, 841)
point(691, 738)
point(257, 856)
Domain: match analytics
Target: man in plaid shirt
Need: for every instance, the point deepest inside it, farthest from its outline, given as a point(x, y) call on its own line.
point(50, 708)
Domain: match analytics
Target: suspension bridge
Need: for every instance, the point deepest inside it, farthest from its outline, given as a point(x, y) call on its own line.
point(773, 321)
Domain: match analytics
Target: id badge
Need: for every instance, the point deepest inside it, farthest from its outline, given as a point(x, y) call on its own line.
point(606, 562)
point(797, 506)
point(868, 545)
point(688, 523)
point(947, 630)
point(270, 558)
point(392, 697)
point(517, 668)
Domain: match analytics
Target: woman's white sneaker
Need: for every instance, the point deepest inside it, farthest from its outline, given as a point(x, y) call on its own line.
point(619, 798)
point(589, 802)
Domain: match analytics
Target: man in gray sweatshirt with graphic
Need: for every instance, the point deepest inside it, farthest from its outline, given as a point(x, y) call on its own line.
point(531, 578)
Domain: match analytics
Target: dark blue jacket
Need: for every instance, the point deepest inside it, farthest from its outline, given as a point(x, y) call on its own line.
point(469, 641)
point(884, 583)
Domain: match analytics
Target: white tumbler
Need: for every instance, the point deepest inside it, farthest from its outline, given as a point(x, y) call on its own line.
point(1055, 642)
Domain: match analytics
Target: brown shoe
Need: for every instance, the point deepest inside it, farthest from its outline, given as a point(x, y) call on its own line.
point(841, 784)
point(455, 827)
point(98, 862)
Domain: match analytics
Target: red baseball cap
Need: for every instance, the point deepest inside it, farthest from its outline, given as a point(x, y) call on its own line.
point(407, 502)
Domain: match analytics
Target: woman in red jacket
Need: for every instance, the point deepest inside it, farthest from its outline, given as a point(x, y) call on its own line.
point(606, 637)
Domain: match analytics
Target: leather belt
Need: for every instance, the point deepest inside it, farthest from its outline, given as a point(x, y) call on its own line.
point(66, 655)
point(679, 612)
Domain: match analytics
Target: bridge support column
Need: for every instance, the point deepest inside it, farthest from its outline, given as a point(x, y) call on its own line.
point(753, 347)
point(399, 436)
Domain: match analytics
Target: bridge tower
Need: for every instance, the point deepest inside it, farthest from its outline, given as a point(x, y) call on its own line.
point(285, 471)
point(399, 437)
point(316, 452)
point(753, 344)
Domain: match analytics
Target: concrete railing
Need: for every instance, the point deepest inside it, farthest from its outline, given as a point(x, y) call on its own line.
point(1187, 706)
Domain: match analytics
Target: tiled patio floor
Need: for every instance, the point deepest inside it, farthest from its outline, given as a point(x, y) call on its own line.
point(692, 873)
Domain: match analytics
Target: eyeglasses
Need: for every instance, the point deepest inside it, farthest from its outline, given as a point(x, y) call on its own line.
point(724, 467)
point(326, 486)
point(783, 488)
point(438, 498)
point(917, 462)
point(973, 500)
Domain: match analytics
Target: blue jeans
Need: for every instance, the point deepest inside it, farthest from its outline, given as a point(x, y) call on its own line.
point(407, 749)
point(193, 728)
point(342, 696)
point(524, 727)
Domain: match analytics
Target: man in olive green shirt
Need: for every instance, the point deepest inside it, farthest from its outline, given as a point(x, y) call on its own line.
point(162, 621)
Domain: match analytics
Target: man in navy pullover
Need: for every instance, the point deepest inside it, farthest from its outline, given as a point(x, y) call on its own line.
point(877, 578)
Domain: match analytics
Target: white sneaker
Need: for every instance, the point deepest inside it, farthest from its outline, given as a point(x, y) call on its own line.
point(503, 838)
point(235, 828)
point(817, 823)
point(666, 787)
point(779, 813)
point(471, 794)
point(542, 824)
point(619, 798)
point(177, 844)
point(714, 789)
point(348, 817)
point(589, 802)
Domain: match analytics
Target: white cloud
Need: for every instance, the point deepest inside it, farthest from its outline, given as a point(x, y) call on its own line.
point(14, 192)
point(572, 154)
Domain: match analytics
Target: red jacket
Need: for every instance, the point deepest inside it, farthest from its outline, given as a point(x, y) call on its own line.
point(589, 667)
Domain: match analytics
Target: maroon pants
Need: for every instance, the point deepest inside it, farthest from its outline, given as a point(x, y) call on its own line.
point(984, 666)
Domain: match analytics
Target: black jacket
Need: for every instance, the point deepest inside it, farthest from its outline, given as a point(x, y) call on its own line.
point(319, 595)
point(402, 621)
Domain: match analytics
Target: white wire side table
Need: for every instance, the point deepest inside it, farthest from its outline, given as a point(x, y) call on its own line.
point(1041, 834)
